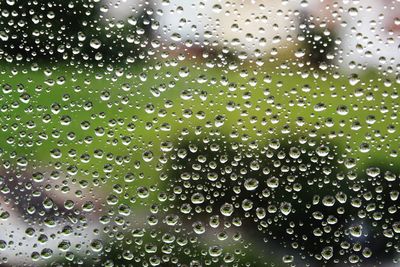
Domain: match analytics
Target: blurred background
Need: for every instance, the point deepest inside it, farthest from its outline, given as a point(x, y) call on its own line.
point(199, 133)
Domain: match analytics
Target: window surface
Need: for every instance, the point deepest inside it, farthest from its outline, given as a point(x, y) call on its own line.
point(199, 133)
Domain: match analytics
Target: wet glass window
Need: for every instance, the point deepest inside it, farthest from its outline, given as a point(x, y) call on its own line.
point(199, 133)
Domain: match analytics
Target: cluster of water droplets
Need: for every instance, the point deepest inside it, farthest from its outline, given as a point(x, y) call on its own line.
point(199, 133)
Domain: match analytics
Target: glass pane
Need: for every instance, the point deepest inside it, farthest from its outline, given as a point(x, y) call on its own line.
point(199, 133)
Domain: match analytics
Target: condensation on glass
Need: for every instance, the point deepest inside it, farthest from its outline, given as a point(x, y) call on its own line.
point(199, 133)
